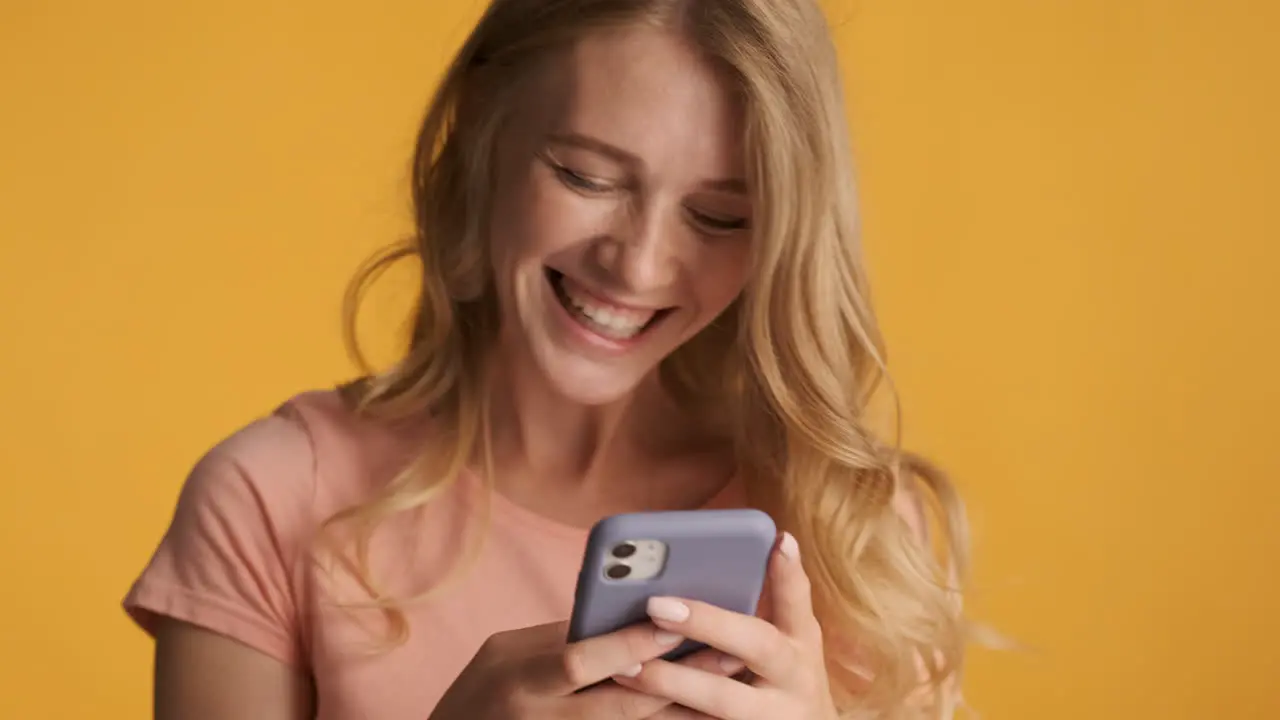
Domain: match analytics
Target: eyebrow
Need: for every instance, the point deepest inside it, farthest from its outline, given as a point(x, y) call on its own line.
point(586, 142)
point(613, 152)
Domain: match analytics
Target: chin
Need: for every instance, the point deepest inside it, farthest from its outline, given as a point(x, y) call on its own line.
point(592, 386)
point(588, 351)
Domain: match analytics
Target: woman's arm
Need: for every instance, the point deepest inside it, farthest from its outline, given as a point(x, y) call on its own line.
point(219, 594)
point(201, 675)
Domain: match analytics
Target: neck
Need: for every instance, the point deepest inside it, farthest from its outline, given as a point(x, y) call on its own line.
point(537, 432)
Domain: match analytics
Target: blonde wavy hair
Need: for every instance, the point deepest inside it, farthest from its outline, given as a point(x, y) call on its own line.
point(796, 359)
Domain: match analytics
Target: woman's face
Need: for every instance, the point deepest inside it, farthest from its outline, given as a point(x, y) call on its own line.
point(621, 217)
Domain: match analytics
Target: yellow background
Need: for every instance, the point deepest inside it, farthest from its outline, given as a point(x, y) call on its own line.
point(1072, 220)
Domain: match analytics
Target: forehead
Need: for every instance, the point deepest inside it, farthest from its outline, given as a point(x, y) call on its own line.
point(649, 92)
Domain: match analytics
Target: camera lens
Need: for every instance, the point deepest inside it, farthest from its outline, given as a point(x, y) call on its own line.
point(624, 550)
point(617, 571)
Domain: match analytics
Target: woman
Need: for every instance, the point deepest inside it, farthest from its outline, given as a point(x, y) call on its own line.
point(640, 291)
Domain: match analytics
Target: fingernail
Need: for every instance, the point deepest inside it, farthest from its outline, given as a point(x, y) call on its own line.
point(667, 639)
point(669, 609)
point(789, 548)
point(632, 671)
point(731, 665)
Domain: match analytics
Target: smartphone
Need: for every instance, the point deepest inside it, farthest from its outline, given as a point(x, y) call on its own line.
point(715, 556)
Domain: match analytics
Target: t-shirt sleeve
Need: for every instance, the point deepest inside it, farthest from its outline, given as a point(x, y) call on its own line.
point(229, 558)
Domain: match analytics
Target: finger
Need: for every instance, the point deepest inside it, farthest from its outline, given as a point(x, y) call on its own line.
point(764, 608)
point(709, 693)
point(587, 662)
point(714, 662)
point(757, 642)
point(617, 700)
point(790, 595)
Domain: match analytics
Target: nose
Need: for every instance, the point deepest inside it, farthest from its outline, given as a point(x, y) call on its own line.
point(643, 250)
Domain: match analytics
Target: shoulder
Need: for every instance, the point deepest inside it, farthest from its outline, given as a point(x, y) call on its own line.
point(274, 450)
point(308, 457)
point(270, 460)
point(230, 558)
point(258, 480)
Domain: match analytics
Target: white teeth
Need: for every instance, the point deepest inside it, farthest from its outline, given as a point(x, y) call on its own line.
point(610, 321)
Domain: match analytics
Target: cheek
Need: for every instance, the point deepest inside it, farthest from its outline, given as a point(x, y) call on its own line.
point(537, 218)
point(723, 275)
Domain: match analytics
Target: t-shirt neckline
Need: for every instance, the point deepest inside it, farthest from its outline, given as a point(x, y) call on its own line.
point(505, 510)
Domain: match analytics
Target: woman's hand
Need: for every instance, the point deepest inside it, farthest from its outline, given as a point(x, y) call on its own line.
point(785, 657)
point(531, 674)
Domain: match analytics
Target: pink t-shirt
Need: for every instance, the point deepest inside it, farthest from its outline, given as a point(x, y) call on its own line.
point(237, 560)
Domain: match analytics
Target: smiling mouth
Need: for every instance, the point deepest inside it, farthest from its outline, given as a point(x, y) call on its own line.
point(608, 321)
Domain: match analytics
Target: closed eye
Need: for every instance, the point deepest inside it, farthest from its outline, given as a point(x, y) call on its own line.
point(577, 181)
point(718, 223)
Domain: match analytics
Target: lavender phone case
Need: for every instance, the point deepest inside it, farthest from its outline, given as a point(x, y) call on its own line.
point(715, 556)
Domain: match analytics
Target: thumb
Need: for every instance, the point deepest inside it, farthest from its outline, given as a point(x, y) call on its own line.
point(764, 608)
